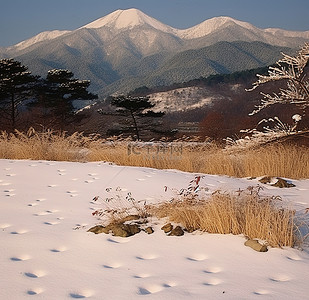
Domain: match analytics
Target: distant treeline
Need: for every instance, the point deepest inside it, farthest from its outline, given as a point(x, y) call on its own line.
point(246, 76)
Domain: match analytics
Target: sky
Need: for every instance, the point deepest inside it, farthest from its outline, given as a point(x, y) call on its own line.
point(22, 19)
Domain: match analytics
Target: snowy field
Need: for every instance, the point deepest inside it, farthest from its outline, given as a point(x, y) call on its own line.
point(46, 252)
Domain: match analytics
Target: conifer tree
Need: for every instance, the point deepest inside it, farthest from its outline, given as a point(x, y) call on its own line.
point(16, 87)
point(134, 107)
point(57, 93)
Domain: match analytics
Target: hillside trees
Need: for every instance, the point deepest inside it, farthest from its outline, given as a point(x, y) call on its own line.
point(56, 94)
point(48, 101)
point(16, 87)
point(135, 108)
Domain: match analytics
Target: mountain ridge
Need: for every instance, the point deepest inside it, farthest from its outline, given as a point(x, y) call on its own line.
point(128, 48)
point(130, 18)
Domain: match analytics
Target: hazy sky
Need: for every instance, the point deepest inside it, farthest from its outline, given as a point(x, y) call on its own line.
point(22, 19)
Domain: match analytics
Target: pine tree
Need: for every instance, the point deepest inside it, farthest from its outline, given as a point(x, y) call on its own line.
point(16, 87)
point(136, 108)
point(57, 93)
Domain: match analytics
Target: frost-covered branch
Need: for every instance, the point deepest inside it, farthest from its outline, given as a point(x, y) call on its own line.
point(291, 69)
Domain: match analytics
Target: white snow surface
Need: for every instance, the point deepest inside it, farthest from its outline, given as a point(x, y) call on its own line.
point(46, 252)
point(127, 19)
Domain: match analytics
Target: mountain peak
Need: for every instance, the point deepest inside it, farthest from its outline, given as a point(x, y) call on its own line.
point(211, 25)
point(127, 19)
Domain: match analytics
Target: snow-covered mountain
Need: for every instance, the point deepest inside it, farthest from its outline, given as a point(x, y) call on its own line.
point(212, 25)
point(43, 36)
point(132, 19)
point(128, 19)
point(128, 48)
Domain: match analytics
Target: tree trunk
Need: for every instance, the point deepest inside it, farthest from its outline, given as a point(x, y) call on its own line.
point(135, 125)
point(13, 119)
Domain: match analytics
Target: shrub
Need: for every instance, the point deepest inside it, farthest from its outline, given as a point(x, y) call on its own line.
point(243, 212)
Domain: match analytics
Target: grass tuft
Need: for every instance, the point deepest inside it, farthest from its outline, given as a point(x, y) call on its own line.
point(244, 212)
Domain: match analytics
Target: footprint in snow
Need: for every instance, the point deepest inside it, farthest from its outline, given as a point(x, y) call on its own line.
point(114, 265)
point(213, 270)
point(88, 181)
point(280, 278)
point(22, 257)
point(52, 185)
point(40, 199)
point(261, 292)
point(10, 194)
point(20, 231)
point(52, 223)
point(81, 294)
point(170, 284)
point(212, 281)
point(59, 249)
point(92, 174)
point(116, 240)
point(72, 193)
point(293, 256)
point(35, 291)
point(197, 257)
point(35, 274)
point(142, 275)
point(46, 212)
point(150, 289)
point(147, 256)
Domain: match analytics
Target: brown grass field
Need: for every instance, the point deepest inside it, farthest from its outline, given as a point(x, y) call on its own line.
point(290, 161)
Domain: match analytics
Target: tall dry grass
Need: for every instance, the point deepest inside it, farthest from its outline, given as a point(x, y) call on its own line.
point(200, 157)
point(244, 213)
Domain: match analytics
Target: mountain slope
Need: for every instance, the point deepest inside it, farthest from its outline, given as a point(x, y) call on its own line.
point(222, 57)
point(127, 48)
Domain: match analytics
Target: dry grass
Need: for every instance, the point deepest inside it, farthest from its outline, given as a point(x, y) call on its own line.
point(244, 213)
point(203, 157)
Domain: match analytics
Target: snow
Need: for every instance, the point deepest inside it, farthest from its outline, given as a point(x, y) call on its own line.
point(46, 208)
point(129, 18)
point(211, 25)
point(287, 33)
point(43, 36)
point(183, 99)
